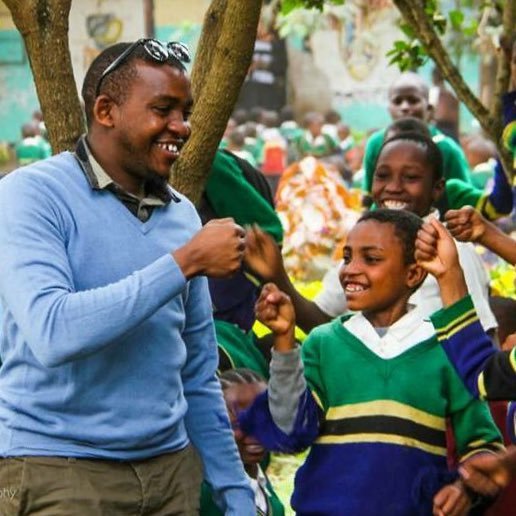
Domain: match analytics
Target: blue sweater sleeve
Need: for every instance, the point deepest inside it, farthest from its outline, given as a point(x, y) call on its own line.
point(206, 420)
point(257, 421)
point(487, 372)
point(61, 324)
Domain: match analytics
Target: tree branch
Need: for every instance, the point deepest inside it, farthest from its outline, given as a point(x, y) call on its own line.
point(44, 28)
point(414, 13)
point(503, 72)
point(222, 72)
point(212, 25)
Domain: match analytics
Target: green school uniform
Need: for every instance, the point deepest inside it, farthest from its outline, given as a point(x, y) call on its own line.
point(238, 349)
point(455, 165)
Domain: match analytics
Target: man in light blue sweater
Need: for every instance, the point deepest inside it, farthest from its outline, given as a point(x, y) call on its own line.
point(108, 350)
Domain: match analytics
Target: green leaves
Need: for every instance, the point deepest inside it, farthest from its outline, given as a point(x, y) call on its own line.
point(456, 19)
point(408, 55)
point(289, 5)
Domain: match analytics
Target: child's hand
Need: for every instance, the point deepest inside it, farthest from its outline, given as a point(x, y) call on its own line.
point(275, 310)
point(466, 224)
point(485, 474)
point(452, 500)
point(262, 254)
point(436, 251)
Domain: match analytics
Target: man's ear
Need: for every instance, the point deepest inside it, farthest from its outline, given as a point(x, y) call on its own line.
point(415, 275)
point(438, 189)
point(103, 110)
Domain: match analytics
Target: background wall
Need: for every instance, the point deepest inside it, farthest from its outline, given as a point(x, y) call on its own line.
point(342, 65)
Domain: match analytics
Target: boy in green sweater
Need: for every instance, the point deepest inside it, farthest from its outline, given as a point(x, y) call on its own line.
point(374, 389)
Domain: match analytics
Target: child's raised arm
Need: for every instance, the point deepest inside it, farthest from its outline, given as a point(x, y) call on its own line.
point(437, 253)
point(286, 417)
point(486, 372)
point(263, 257)
point(468, 225)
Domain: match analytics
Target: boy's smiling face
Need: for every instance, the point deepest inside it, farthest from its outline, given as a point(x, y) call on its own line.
point(374, 275)
point(404, 180)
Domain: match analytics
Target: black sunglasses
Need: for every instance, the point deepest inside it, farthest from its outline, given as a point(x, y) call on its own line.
point(157, 50)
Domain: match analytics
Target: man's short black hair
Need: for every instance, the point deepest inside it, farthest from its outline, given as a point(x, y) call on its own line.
point(406, 225)
point(432, 152)
point(117, 83)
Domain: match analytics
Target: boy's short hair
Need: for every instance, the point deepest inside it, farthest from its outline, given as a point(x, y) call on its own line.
point(433, 154)
point(406, 225)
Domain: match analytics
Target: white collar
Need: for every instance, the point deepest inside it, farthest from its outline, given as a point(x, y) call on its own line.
point(433, 214)
point(261, 492)
point(405, 333)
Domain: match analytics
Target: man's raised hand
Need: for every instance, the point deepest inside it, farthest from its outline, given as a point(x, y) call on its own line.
point(216, 250)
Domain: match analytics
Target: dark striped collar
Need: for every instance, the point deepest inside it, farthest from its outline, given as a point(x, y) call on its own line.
point(157, 192)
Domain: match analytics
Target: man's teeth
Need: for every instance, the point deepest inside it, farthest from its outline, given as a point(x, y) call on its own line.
point(353, 287)
point(395, 205)
point(170, 147)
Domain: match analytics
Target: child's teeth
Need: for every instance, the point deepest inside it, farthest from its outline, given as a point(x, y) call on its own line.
point(395, 205)
point(354, 288)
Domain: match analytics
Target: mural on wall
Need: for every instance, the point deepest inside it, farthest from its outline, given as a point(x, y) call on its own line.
point(97, 24)
point(103, 29)
point(350, 51)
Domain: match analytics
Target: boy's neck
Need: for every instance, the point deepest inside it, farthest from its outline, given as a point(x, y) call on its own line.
point(389, 316)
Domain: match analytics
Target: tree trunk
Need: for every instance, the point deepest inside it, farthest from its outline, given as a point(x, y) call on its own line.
point(43, 25)
point(225, 50)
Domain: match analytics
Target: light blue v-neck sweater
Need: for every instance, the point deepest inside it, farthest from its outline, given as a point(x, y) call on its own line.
point(107, 351)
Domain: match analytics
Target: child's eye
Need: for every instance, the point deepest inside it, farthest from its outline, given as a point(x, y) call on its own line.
point(162, 110)
point(187, 115)
point(372, 259)
point(379, 174)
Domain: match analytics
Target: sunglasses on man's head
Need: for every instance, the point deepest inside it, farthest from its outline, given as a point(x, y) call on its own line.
point(157, 50)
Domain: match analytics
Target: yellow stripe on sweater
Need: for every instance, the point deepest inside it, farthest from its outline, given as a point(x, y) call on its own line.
point(482, 391)
point(457, 325)
point(381, 438)
point(317, 400)
point(386, 408)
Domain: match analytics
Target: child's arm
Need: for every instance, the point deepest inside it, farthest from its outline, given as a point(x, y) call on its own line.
point(487, 372)
point(437, 253)
point(468, 225)
point(286, 416)
point(263, 257)
point(496, 204)
point(487, 474)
